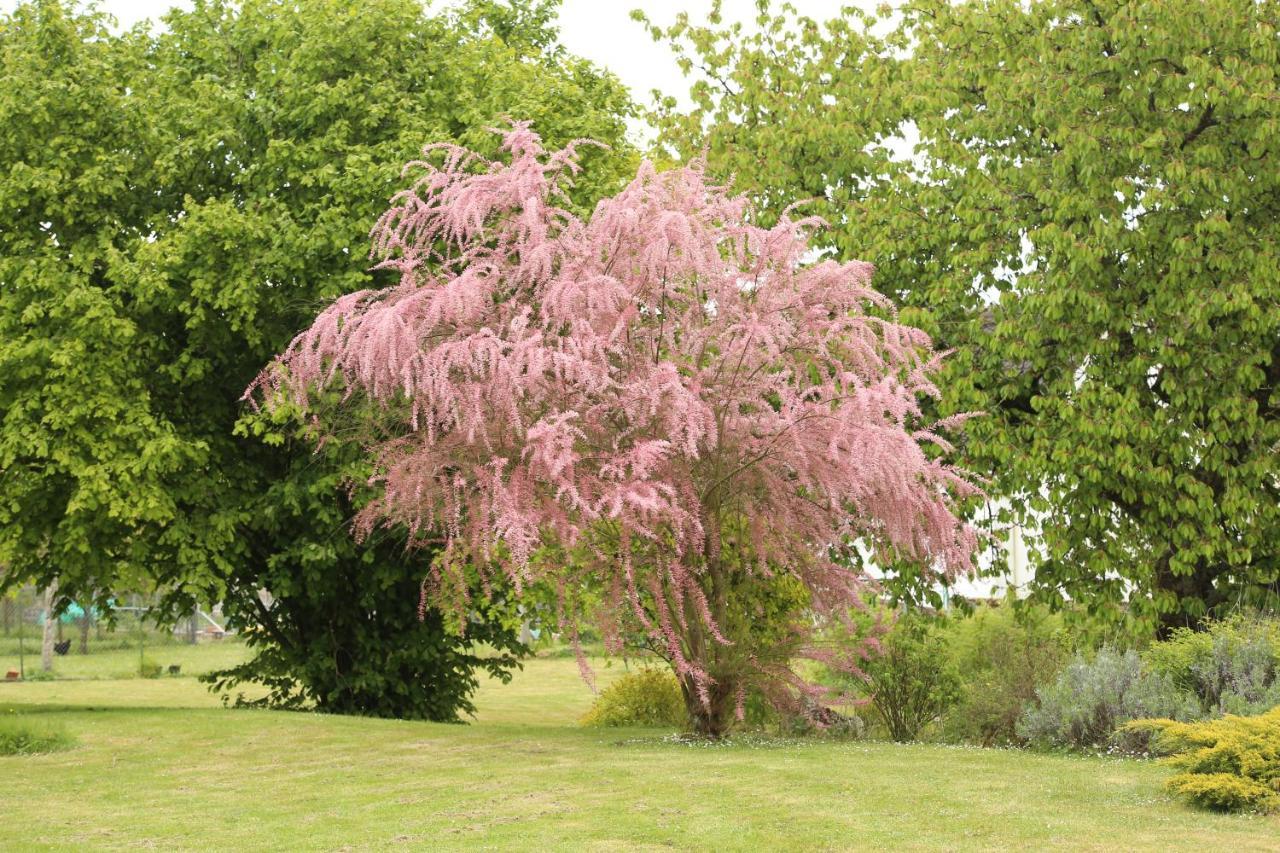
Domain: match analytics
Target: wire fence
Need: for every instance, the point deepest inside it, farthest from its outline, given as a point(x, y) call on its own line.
point(86, 641)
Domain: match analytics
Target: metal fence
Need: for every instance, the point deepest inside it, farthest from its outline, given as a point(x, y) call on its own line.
point(35, 643)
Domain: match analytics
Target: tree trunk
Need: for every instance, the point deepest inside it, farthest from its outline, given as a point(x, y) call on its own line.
point(712, 719)
point(1196, 586)
point(50, 628)
point(84, 632)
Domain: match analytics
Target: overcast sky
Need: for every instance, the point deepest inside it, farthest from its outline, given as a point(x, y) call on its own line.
point(599, 30)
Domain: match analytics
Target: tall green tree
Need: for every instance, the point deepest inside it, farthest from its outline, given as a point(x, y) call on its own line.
point(1089, 218)
point(174, 206)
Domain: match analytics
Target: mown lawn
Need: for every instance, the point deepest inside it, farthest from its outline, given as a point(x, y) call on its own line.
point(161, 765)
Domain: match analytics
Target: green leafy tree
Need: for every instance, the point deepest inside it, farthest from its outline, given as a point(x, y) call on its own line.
point(1089, 218)
point(173, 208)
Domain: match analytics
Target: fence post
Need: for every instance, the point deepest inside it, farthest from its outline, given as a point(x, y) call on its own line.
point(22, 647)
point(84, 629)
point(47, 639)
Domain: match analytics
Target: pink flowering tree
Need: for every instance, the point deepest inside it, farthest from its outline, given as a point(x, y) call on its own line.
point(662, 401)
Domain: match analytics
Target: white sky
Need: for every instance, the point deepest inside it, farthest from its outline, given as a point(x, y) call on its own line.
point(599, 30)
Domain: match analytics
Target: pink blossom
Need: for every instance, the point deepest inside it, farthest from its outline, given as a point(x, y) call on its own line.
point(647, 389)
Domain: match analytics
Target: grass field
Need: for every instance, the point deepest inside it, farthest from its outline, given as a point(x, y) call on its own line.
point(161, 765)
point(122, 663)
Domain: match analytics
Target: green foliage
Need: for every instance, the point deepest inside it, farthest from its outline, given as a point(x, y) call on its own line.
point(1090, 220)
point(353, 643)
point(1230, 764)
point(912, 681)
point(1002, 654)
point(1232, 665)
point(768, 623)
point(646, 697)
point(21, 735)
point(1091, 698)
point(176, 204)
point(147, 668)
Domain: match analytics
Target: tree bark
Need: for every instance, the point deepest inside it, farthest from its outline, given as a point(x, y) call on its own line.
point(50, 628)
point(1199, 585)
point(713, 719)
point(84, 632)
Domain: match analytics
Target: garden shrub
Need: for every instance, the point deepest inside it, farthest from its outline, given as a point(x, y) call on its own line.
point(1002, 654)
point(1232, 666)
point(645, 697)
point(20, 735)
point(353, 641)
point(147, 668)
point(1083, 707)
point(1230, 764)
point(912, 681)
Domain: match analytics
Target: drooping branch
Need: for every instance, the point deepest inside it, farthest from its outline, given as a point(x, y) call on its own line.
point(546, 378)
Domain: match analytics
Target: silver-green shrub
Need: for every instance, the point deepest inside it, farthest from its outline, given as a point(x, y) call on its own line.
point(1092, 697)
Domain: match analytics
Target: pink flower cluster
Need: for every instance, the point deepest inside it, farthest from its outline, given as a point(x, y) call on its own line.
point(643, 388)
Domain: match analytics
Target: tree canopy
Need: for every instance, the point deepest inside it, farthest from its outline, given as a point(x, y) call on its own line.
point(1079, 197)
point(671, 395)
point(177, 203)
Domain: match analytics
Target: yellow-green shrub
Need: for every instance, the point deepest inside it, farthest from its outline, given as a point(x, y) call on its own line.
point(1230, 764)
point(646, 697)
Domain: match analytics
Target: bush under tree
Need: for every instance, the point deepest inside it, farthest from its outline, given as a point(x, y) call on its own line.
point(646, 697)
point(1093, 697)
point(911, 680)
point(1231, 666)
point(1002, 654)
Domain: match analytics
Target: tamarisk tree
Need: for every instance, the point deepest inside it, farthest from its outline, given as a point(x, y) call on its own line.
point(663, 401)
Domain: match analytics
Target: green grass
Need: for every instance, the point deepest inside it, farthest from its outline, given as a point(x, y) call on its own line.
point(21, 734)
point(160, 765)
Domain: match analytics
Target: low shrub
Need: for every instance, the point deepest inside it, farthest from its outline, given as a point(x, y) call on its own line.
point(1232, 666)
point(1002, 654)
point(1090, 699)
point(21, 735)
point(147, 668)
point(645, 697)
point(1228, 764)
point(912, 682)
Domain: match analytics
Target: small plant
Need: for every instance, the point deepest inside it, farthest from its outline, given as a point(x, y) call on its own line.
point(912, 681)
point(1002, 655)
point(20, 735)
point(1232, 666)
point(1091, 698)
point(646, 697)
point(147, 668)
point(1229, 764)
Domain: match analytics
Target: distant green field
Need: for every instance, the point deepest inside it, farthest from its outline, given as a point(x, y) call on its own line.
point(123, 662)
point(161, 765)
